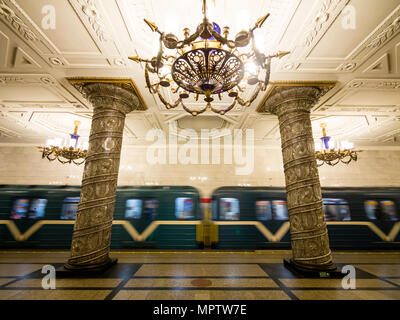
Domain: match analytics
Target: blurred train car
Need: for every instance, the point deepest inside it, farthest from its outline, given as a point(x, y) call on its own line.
point(173, 217)
point(257, 218)
point(146, 217)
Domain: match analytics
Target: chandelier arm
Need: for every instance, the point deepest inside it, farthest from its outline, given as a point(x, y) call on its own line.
point(148, 83)
point(222, 112)
point(260, 57)
point(346, 161)
point(320, 163)
point(247, 55)
point(332, 163)
point(194, 113)
point(166, 103)
point(219, 38)
point(64, 161)
point(160, 54)
point(253, 97)
point(78, 163)
point(267, 73)
point(51, 158)
point(189, 40)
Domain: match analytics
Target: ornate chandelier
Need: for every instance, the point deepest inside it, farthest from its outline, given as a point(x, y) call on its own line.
point(209, 64)
point(328, 153)
point(65, 152)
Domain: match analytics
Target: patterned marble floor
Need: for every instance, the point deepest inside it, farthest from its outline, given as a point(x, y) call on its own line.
point(199, 275)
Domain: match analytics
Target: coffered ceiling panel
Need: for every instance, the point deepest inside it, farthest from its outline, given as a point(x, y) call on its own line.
point(67, 37)
point(341, 38)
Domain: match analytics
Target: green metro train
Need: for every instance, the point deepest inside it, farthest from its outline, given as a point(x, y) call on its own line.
point(176, 217)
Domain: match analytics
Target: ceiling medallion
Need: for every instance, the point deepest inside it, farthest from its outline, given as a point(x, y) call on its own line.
point(330, 154)
point(209, 64)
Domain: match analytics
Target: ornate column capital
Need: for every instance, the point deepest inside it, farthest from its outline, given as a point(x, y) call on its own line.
point(117, 94)
point(283, 97)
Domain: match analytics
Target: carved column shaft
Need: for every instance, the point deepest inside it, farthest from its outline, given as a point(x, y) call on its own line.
point(308, 231)
point(92, 230)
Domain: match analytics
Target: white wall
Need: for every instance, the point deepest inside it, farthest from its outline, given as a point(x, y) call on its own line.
point(23, 165)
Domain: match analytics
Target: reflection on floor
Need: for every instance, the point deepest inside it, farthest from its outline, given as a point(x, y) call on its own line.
point(199, 275)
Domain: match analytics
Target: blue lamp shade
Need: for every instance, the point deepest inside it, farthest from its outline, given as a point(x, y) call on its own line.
point(325, 141)
point(216, 28)
point(74, 140)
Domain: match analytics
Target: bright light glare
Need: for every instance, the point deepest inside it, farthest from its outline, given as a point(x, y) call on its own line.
point(50, 142)
point(260, 43)
point(347, 145)
point(155, 48)
point(164, 71)
point(318, 147)
point(331, 144)
point(242, 21)
point(172, 24)
point(72, 142)
point(85, 146)
point(251, 67)
point(57, 142)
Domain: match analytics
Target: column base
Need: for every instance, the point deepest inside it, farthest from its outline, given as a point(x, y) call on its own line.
point(69, 271)
point(313, 271)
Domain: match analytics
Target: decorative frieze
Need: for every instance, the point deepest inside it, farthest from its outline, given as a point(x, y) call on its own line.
point(16, 22)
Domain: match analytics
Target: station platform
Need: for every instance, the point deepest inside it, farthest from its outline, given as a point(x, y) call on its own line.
point(199, 275)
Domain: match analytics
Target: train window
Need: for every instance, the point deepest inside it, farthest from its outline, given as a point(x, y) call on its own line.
point(381, 210)
point(37, 208)
point(69, 208)
point(184, 208)
point(263, 210)
point(20, 209)
point(279, 210)
point(336, 209)
point(133, 209)
point(150, 209)
point(28, 208)
point(229, 209)
point(214, 209)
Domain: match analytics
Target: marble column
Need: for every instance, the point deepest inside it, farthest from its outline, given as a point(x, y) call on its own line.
point(92, 231)
point(308, 231)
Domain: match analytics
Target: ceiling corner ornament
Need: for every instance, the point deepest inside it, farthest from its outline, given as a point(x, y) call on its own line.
point(16, 22)
point(207, 63)
point(322, 17)
point(128, 84)
point(91, 12)
point(332, 153)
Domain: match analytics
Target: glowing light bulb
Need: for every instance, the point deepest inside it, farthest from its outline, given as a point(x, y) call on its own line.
point(331, 144)
point(251, 67)
point(85, 146)
point(164, 71)
point(72, 142)
point(318, 147)
point(57, 142)
point(49, 143)
point(347, 145)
